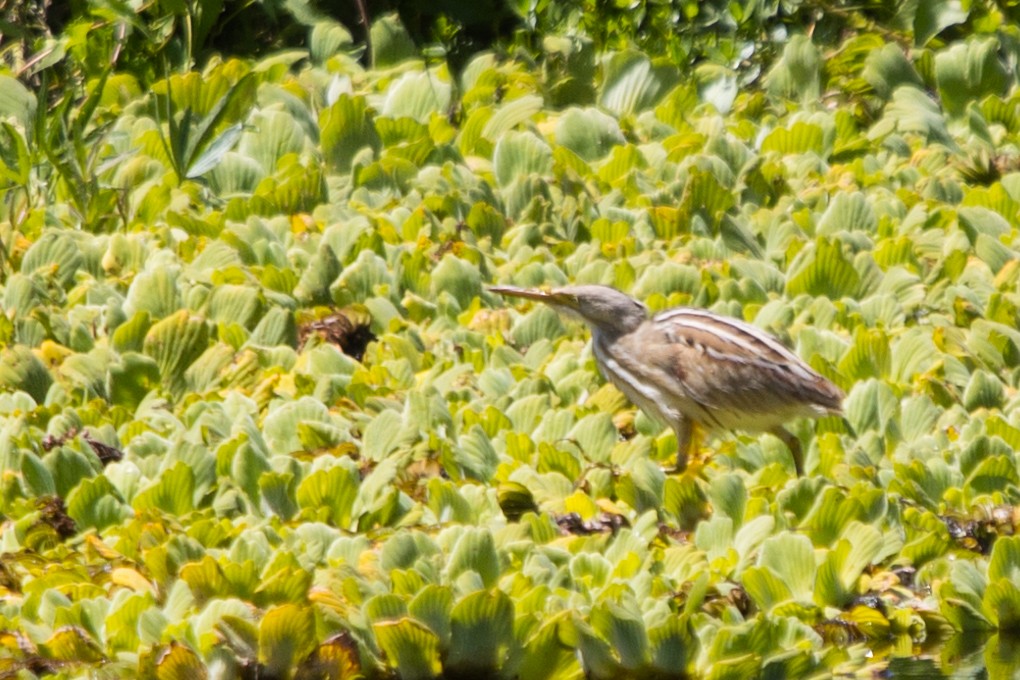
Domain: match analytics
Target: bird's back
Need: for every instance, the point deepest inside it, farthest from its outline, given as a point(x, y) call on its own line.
point(723, 372)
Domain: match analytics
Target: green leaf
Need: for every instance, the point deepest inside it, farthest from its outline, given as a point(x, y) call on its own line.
point(37, 478)
point(21, 369)
point(624, 630)
point(327, 38)
point(481, 633)
point(286, 637)
point(1004, 562)
point(704, 196)
point(475, 454)
point(838, 575)
point(382, 435)
point(391, 43)
point(333, 491)
point(215, 151)
point(729, 497)
point(624, 163)
point(868, 357)
point(983, 390)
point(17, 101)
point(72, 644)
point(279, 492)
point(765, 588)
point(54, 255)
point(474, 551)
point(540, 323)
point(510, 115)
point(173, 492)
point(588, 132)
point(518, 155)
point(276, 327)
point(994, 474)
point(281, 427)
point(632, 83)
point(205, 372)
point(155, 292)
point(361, 280)
point(457, 278)
point(848, 212)
point(791, 557)
point(347, 128)
point(179, 662)
point(823, 269)
point(871, 405)
point(673, 644)
point(1001, 603)
point(911, 111)
point(714, 536)
point(95, 503)
point(68, 468)
point(318, 276)
point(596, 435)
point(417, 96)
point(801, 137)
point(433, 606)
point(967, 71)
point(887, 68)
point(175, 343)
point(271, 136)
point(234, 303)
point(797, 74)
point(931, 18)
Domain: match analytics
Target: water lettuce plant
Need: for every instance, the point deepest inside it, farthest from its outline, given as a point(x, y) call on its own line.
point(259, 416)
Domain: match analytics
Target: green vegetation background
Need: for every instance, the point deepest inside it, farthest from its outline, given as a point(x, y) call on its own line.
point(259, 416)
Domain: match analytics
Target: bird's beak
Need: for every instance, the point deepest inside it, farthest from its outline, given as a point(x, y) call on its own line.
point(549, 297)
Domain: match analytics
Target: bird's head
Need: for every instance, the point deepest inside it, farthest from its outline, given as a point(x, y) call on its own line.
point(601, 307)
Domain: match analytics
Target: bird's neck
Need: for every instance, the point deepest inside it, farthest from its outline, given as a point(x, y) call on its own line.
point(607, 333)
point(621, 325)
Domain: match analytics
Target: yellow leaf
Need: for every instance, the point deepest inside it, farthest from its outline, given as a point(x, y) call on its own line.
point(180, 663)
point(130, 578)
point(581, 504)
point(52, 354)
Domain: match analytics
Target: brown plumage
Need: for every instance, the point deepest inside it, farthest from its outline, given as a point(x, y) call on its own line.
point(687, 366)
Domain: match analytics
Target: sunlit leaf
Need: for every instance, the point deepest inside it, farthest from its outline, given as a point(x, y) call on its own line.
point(286, 636)
point(20, 369)
point(346, 129)
point(967, 71)
point(823, 269)
point(797, 75)
point(178, 662)
point(412, 648)
point(519, 154)
point(633, 83)
point(588, 132)
point(175, 343)
point(481, 632)
point(416, 96)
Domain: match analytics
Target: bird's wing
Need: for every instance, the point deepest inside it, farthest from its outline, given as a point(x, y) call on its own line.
point(727, 364)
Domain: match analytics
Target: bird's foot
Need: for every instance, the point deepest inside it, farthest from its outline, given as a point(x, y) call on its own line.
point(693, 466)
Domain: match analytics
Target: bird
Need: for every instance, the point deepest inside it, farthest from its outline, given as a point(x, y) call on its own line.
point(688, 367)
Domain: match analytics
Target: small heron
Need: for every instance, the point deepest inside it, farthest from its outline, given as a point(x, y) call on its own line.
point(687, 366)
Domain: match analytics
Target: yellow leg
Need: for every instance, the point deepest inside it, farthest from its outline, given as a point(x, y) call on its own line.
point(793, 444)
point(684, 438)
